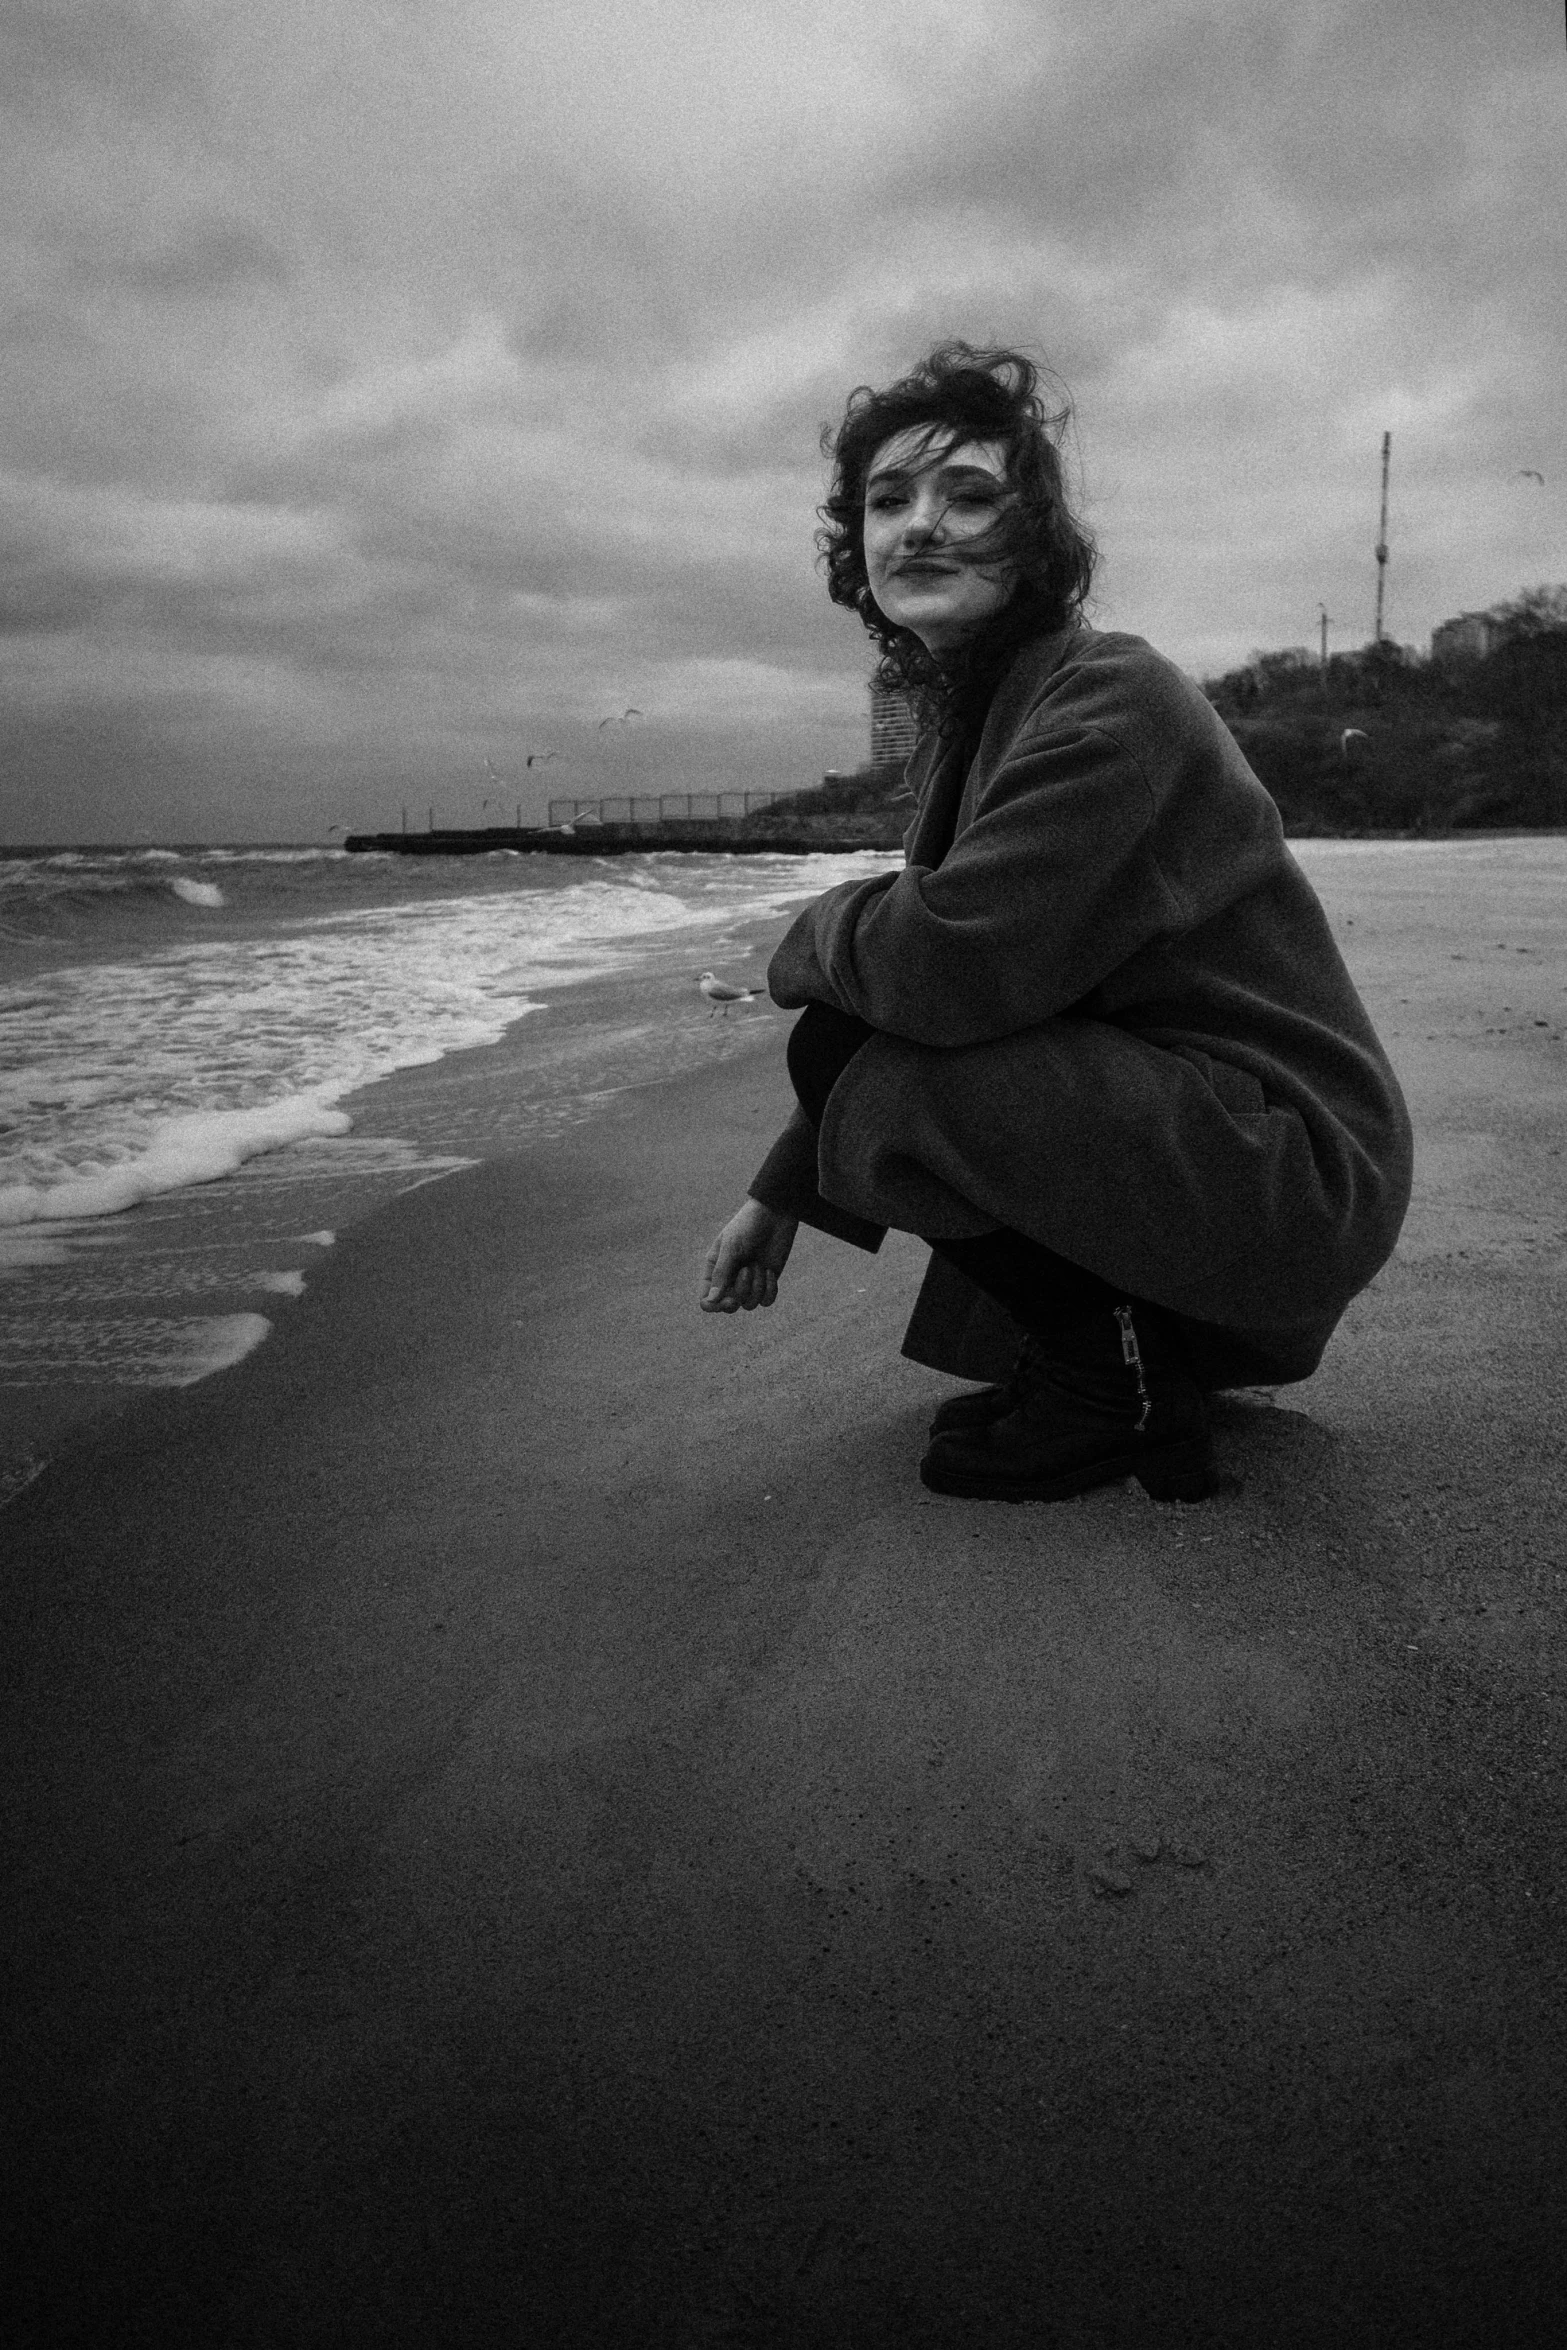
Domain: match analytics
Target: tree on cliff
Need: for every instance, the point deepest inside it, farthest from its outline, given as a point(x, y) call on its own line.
point(1536, 611)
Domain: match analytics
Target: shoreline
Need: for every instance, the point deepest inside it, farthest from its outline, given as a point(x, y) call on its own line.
point(249, 1234)
point(624, 840)
point(796, 846)
point(518, 1767)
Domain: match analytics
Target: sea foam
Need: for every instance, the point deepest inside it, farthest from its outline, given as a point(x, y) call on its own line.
point(197, 1148)
point(174, 1060)
point(127, 1350)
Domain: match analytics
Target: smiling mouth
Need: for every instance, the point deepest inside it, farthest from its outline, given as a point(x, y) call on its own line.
point(926, 567)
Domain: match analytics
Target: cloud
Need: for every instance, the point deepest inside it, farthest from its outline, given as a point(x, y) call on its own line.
point(382, 382)
point(201, 260)
point(64, 56)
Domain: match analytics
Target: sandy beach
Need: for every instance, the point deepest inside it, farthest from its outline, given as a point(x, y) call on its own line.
point(529, 1827)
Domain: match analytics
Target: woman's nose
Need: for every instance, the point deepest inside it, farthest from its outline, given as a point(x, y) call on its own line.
point(926, 519)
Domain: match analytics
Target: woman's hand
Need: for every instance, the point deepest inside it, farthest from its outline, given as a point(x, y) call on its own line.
point(746, 1259)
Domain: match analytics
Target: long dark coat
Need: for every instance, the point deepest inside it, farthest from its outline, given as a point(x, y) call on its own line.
point(1111, 1015)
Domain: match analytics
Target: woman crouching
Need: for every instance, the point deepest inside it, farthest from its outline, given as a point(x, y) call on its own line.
point(1095, 1042)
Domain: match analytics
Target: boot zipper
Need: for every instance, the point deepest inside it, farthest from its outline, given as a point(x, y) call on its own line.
point(1131, 1354)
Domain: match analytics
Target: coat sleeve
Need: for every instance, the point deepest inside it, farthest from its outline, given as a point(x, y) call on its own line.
point(1052, 885)
point(786, 1182)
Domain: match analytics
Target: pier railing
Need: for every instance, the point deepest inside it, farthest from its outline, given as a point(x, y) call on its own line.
point(689, 807)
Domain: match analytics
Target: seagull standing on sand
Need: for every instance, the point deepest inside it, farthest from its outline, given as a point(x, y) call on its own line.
point(721, 995)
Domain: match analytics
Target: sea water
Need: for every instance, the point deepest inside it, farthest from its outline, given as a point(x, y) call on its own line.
point(166, 1016)
point(175, 1019)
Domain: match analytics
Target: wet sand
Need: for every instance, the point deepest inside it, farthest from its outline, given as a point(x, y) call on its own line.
point(94, 1312)
point(531, 1827)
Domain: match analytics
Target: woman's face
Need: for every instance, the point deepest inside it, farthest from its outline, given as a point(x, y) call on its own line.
point(928, 501)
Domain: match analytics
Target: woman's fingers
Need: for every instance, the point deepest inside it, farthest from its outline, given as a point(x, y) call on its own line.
point(715, 1277)
point(744, 1262)
point(724, 1275)
point(737, 1288)
point(719, 1296)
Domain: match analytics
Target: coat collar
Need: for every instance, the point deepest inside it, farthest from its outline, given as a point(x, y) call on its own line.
point(940, 769)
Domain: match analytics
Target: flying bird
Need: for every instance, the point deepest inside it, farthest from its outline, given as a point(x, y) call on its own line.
point(537, 758)
point(721, 995)
point(629, 712)
point(1527, 473)
point(1352, 734)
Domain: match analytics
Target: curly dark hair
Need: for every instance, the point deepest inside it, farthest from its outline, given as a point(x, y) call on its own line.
point(963, 392)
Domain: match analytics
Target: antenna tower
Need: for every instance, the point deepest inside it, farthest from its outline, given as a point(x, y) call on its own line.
point(1387, 448)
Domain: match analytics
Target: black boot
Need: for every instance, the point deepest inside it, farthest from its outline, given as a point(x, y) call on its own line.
point(1099, 1398)
point(977, 1409)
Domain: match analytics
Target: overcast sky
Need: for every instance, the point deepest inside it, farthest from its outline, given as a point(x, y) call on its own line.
point(389, 386)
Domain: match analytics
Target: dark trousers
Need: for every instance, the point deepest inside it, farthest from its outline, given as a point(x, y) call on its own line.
point(1038, 1288)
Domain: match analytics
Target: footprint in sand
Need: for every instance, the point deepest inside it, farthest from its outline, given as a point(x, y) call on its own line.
point(1110, 1881)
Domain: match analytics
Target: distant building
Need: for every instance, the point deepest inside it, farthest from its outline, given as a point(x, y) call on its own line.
point(894, 728)
point(1468, 638)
